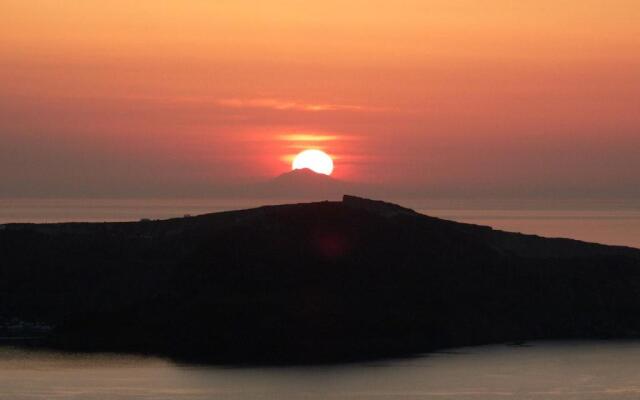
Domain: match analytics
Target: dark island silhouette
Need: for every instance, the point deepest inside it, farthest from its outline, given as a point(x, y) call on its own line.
point(317, 282)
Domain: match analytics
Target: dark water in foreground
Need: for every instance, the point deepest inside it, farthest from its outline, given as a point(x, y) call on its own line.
point(545, 370)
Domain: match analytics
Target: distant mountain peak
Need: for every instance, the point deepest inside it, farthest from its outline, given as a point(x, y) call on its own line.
point(304, 182)
point(303, 174)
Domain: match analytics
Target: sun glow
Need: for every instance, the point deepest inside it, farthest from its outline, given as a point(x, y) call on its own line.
point(316, 160)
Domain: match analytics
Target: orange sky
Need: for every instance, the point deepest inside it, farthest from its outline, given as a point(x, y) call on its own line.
point(461, 98)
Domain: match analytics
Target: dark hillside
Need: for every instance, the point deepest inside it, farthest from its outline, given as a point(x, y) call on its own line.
point(312, 282)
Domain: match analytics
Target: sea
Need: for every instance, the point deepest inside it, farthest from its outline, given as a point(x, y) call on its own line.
point(564, 370)
point(588, 370)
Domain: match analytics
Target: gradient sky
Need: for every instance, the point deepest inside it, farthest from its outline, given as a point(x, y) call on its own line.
point(445, 98)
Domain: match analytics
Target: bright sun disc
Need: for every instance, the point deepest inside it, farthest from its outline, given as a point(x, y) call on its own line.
point(316, 160)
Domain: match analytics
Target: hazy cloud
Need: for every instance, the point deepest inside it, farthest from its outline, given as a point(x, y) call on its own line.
point(281, 105)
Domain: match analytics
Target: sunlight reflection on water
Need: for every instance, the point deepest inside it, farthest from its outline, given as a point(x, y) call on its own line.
point(559, 370)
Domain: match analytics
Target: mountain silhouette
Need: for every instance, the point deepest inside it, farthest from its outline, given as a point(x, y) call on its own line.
point(305, 283)
point(303, 177)
point(304, 183)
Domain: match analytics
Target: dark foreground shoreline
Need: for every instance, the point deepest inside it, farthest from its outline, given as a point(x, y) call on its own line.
point(308, 283)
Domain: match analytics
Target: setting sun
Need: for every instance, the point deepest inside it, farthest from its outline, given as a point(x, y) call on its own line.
point(316, 160)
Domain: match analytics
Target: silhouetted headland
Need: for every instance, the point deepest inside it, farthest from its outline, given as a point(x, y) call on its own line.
point(307, 283)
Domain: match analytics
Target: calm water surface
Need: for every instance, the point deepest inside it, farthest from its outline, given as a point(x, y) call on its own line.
point(609, 222)
point(569, 370)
